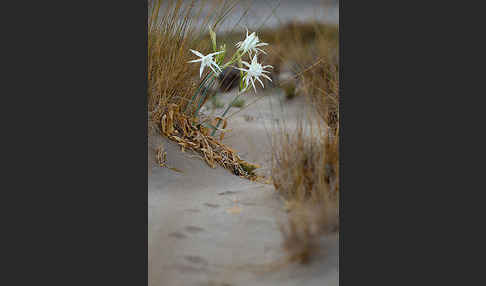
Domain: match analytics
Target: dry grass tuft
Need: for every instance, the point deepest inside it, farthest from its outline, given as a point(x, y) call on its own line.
point(175, 27)
point(305, 171)
point(321, 86)
point(171, 35)
point(297, 46)
point(307, 223)
point(310, 53)
point(305, 165)
point(172, 82)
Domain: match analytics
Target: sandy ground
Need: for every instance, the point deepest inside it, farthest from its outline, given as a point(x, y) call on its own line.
point(209, 227)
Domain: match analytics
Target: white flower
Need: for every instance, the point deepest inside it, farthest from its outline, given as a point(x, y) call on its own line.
point(250, 44)
point(254, 71)
point(206, 60)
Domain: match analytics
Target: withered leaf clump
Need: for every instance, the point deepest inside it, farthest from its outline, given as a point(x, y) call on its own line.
point(190, 135)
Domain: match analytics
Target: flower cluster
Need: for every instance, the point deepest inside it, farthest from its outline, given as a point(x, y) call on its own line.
point(254, 71)
point(251, 44)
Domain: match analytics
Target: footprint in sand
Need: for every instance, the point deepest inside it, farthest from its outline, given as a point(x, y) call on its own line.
point(213, 283)
point(228, 193)
point(186, 269)
point(211, 205)
point(194, 229)
point(196, 259)
point(177, 235)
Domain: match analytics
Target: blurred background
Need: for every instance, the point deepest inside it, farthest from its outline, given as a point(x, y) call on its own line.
point(272, 13)
point(256, 14)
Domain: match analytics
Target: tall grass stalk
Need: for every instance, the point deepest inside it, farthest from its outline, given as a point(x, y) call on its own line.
point(172, 32)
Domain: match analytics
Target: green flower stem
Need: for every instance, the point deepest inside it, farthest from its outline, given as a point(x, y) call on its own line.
point(204, 93)
point(198, 89)
point(235, 57)
point(226, 111)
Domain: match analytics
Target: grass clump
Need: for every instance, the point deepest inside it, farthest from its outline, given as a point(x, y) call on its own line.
point(170, 35)
point(311, 52)
point(305, 171)
point(305, 164)
point(290, 90)
point(175, 89)
point(305, 161)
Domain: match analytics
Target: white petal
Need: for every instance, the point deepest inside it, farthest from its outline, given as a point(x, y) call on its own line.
point(254, 60)
point(260, 82)
point(216, 66)
point(265, 76)
point(253, 83)
point(197, 53)
point(262, 51)
point(212, 68)
point(200, 71)
point(243, 70)
point(212, 54)
point(195, 61)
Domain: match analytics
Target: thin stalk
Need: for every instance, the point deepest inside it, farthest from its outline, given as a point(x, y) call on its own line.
point(237, 57)
point(198, 89)
point(226, 111)
point(204, 92)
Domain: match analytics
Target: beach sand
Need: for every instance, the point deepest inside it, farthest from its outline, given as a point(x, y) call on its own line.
point(209, 227)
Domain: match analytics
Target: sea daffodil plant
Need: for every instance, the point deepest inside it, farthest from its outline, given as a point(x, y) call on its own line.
point(250, 46)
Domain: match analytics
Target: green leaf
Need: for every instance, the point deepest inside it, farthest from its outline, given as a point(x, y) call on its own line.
point(220, 57)
point(213, 38)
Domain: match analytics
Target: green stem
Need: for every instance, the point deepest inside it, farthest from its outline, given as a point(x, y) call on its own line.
point(226, 111)
point(235, 56)
point(203, 83)
point(204, 95)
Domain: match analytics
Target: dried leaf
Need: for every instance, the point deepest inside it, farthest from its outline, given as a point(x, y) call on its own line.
point(234, 210)
point(196, 138)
